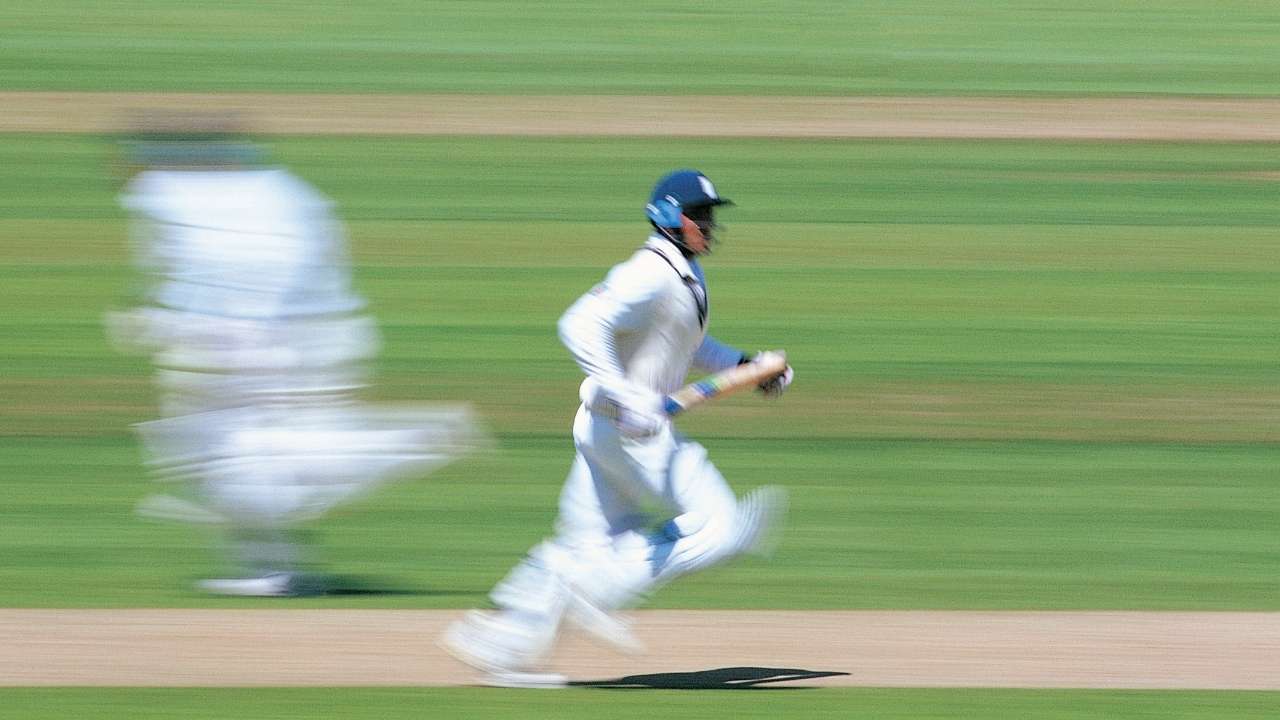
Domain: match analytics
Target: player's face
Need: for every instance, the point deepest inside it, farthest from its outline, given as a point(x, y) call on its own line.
point(697, 225)
point(692, 236)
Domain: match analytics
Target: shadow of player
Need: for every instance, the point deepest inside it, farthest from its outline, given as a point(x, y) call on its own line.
point(732, 678)
point(322, 585)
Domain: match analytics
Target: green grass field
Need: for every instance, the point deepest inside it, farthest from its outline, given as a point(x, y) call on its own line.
point(1030, 375)
point(1041, 394)
point(772, 47)
point(393, 704)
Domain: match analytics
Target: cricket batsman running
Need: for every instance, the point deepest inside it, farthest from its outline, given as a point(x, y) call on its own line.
point(642, 504)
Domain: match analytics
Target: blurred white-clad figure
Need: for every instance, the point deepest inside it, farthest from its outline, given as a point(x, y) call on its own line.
point(259, 344)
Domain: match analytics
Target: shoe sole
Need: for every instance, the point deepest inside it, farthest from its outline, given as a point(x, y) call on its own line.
point(493, 676)
point(526, 680)
point(220, 588)
point(772, 504)
point(457, 643)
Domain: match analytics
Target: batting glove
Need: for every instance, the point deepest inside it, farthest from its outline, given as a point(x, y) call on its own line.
point(775, 386)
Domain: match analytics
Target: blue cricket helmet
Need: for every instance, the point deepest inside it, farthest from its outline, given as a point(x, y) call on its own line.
point(679, 191)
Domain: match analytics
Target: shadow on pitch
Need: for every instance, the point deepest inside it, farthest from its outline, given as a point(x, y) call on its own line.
point(732, 678)
point(347, 591)
point(319, 585)
point(349, 586)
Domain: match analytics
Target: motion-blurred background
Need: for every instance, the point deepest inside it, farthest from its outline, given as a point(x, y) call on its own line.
point(1032, 372)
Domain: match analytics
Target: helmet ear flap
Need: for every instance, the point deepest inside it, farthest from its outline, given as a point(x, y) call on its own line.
point(665, 213)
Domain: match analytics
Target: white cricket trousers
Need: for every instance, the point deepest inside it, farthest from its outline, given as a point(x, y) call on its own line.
point(634, 514)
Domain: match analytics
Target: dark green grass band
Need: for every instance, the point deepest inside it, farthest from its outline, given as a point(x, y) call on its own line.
point(396, 703)
point(785, 47)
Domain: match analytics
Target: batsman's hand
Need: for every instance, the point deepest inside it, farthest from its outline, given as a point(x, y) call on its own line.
point(778, 384)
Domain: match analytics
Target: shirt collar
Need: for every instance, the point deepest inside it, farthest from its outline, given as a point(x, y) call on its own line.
point(668, 250)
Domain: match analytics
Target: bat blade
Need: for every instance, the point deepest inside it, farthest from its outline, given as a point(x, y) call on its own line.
point(765, 366)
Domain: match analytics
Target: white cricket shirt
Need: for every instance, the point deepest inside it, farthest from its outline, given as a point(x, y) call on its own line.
point(646, 323)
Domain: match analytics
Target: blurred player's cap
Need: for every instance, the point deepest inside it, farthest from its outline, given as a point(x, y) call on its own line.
point(188, 140)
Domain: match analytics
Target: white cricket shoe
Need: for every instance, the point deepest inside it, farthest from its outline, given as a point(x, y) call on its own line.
point(761, 513)
point(609, 628)
point(507, 652)
point(526, 680)
point(273, 585)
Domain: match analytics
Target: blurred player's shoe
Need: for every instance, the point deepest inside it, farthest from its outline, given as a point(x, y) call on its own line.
point(507, 651)
point(759, 522)
point(607, 627)
point(530, 680)
point(273, 585)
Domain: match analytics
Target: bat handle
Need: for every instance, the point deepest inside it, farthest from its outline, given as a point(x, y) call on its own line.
point(671, 407)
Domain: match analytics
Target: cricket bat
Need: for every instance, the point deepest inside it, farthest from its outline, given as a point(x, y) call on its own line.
point(765, 366)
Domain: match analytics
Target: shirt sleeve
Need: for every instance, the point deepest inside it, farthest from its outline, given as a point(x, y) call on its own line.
point(624, 302)
point(713, 356)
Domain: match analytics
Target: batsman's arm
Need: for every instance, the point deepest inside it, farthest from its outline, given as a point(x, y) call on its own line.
point(714, 356)
point(589, 328)
point(763, 367)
